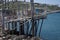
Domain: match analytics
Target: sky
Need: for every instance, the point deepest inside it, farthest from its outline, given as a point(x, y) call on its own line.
point(52, 2)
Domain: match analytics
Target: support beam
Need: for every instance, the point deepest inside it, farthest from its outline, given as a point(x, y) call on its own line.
point(3, 7)
point(32, 14)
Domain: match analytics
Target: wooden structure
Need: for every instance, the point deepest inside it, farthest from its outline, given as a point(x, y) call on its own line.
point(20, 24)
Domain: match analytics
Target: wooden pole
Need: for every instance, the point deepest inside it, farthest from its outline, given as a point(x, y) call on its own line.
point(3, 11)
point(41, 27)
point(32, 14)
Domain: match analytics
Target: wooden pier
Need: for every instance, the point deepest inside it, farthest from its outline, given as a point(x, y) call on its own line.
point(51, 12)
point(24, 26)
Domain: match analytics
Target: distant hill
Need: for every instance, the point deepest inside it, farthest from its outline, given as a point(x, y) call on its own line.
point(20, 4)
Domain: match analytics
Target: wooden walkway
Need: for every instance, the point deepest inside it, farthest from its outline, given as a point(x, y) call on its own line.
point(28, 18)
point(36, 16)
point(51, 12)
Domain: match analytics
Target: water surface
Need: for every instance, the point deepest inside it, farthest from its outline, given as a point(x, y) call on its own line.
point(51, 27)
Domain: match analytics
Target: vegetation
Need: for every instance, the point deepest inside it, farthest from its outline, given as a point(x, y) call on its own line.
point(19, 5)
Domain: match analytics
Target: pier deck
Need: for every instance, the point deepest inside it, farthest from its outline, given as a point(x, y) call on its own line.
point(39, 16)
point(51, 12)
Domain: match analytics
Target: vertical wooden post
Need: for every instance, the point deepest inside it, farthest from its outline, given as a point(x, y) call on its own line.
point(21, 27)
point(41, 27)
point(3, 9)
point(32, 14)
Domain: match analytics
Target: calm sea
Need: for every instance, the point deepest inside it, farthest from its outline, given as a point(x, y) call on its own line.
point(51, 27)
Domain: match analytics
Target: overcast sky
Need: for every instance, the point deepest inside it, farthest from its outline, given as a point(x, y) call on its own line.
point(54, 2)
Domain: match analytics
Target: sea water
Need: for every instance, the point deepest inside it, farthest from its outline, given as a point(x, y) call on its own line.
point(51, 27)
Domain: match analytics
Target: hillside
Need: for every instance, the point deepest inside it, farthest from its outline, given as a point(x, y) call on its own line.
point(19, 5)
